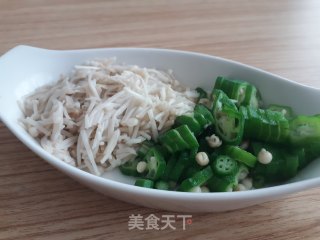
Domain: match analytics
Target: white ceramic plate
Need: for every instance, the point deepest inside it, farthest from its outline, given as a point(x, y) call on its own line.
point(24, 68)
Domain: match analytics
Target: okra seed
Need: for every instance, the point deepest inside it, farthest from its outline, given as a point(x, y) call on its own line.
point(141, 166)
point(284, 111)
point(264, 156)
point(202, 158)
point(214, 141)
point(204, 189)
point(243, 174)
point(247, 182)
point(196, 189)
point(241, 187)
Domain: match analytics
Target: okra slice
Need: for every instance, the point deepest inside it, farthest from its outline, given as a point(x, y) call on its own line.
point(197, 180)
point(191, 170)
point(201, 120)
point(222, 183)
point(229, 126)
point(243, 92)
point(147, 183)
point(270, 172)
point(173, 141)
point(229, 122)
point(196, 121)
point(304, 130)
point(285, 110)
point(252, 97)
point(161, 185)
point(191, 122)
point(284, 164)
point(240, 155)
point(292, 164)
point(129, 168)
point(205, 112)
point(169, 167)
point(224, 165)
point(233, 88)
point(188, 136)
point(265, 125)
point(179, 166)
point(155, 164)
point(144, 148)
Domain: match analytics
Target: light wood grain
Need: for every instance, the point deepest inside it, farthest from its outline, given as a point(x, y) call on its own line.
point(38, 202)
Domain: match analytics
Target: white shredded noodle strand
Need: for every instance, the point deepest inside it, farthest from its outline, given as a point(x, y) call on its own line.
point(97, 117)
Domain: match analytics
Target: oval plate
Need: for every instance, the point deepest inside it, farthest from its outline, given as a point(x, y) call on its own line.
point(24, 68)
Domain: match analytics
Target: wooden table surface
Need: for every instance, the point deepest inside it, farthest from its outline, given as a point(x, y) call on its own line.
point(38, 202)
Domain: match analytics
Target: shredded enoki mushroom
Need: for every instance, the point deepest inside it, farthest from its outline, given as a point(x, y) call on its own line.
point(97, 117)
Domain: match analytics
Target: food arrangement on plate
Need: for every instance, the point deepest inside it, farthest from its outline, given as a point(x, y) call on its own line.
point(106, 115)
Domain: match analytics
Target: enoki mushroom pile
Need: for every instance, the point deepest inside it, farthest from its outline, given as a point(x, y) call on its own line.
point(97, 117)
